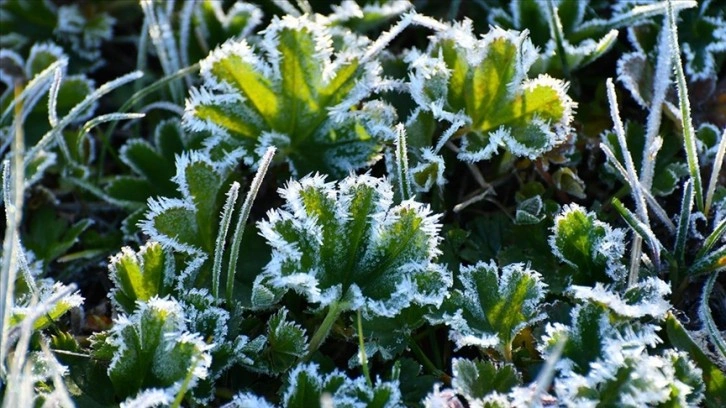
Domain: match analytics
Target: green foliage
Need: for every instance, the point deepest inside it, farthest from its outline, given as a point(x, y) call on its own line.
point(81, 31)
point(482, 87)
point(154, 168)
point(189, 225)
point(286, 100)
point(307, 387)
point(152, 348)
point(592, 249)
point(514, 265)
point(140, 276)
point(494, 305)
point(50, 236)
point(477, 379)
point(571, 34)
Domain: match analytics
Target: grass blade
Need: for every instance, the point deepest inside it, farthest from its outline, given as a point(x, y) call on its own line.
point(713, 181)
point(689, 135)
point(683, 222)
point(242, 220)
point(227, 211)
point(709, 324)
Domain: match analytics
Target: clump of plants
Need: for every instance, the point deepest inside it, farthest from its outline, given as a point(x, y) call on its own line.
point(371, 203)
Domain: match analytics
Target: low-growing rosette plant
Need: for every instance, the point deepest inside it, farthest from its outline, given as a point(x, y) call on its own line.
point(345, 246)
point(296, 92)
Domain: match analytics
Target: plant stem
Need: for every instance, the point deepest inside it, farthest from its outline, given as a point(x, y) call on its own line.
point(184, 387)
point(507, 352)
point(362, 351)
point(334, 310)
point(14, 196)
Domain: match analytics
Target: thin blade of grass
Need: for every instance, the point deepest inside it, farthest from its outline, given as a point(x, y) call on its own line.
point(684, 220)
point(244, 214)
point(219, 244)
point(717, 163)
point(707, 318)
point(689, 135)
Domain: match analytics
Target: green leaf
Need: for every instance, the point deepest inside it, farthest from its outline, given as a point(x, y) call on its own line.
point(529, 211)
point(591, 248)
point(713, 377)
point(298, 100)
point(584, 337)
point(151, 348)
point(46, 290)
point(50, 236)
point(189, 225)
point(285, 344)
point(385, 261)
point(140, 276)
point(494, 306)
point(306, 386)
point(477, 379)
point(485, 87)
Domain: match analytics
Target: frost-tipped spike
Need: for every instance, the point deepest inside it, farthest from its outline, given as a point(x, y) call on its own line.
point(402, 174)
point(242, 220)
point(226, 218)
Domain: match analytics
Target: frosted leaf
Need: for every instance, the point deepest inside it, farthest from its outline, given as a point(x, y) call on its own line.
point(295, 86)
point(47, 290)
point(152, 397)
point(701, 33)
point(189, 225)
point(529, 211)
point(646, 298)
point(479, 379)
point(493, 306)
point(583, 34)
point(429, 172)
point(370, 15)
point(383, 264)
point(306, 387)
point(152, 347)
point(139, 276)
point(81, 34)
point(248, 400)
point(592, 248)
point(484, 84)
point(602, 350)
point(285, 345)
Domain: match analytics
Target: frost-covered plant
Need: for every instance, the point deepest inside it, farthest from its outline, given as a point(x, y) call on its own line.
point(80, 31)
point(614, 361)
point(189, 224)
point(347, 294)
point(42, 109)
point(702, 33)
point(308, 387)
point(384, 264)
point(481, 87)
point(591, 249)
point(152, 348)
point(571, 34)
point(153, 166)
point(296, 93)
point(140, 276)
point(493, 306)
